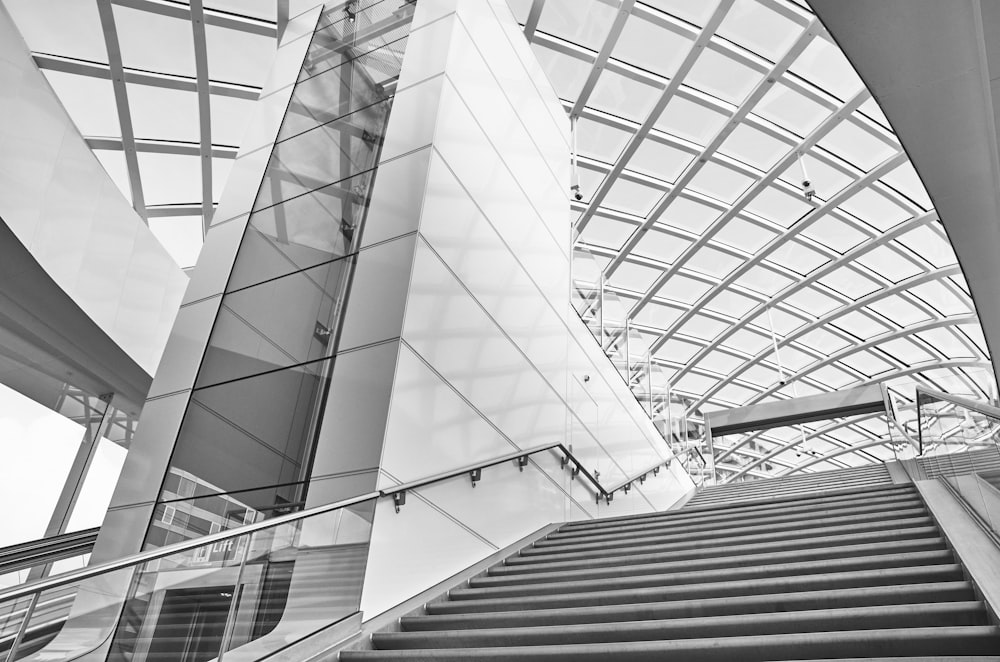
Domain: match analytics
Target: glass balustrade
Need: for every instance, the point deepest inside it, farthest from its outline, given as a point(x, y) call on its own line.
point(239, 596)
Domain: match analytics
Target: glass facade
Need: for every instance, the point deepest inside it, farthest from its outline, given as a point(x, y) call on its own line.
point(247, 441)
point(698, 244)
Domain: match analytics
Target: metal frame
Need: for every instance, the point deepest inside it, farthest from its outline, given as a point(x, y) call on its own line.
point(856, 112)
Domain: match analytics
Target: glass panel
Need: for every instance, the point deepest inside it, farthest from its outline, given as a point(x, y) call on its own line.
point(693, 121)
point(754, 147)
point(834, 233)
point(281, 322)
point(887, 262)
point(796, 256)
point(875, 209)
point(261, 430)
point(170, 178)
point(329, 153)
point(634, 277)
point(661, 246)
point(54, 632)
point(744, 235)
point(651, 47)
point(697, 13)
point(299, 578)
point(713, 262)
point(720, 182)
point(607, 231)
point(303, 232)
point(849, 282)
point(824, 65)
point(856, 146)
point(237, 56)
point(631, 197)
point(599, 140)
point(690, 215)
point(759, 29)
point(164, 114)
point(658, 160)
point(722, 77)
point(586, 24)
point(623, 96)
point(791, 110)
point(172, 51)
point(778, 207)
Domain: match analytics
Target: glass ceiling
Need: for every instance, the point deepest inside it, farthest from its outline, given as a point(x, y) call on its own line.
point(691, 116)
point(168, 129)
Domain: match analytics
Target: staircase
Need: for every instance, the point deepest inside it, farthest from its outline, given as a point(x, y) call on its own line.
point(859, 575)
point(790, 486)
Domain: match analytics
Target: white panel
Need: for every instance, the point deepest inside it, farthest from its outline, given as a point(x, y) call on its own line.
point(469, 154)
point(378, 293)
point(547, 133)
point(186, 347)
point(426, 49)
point(396, 197)
point(215, 261)
point(431, 428)
point(432, 10)
point(514, 503)
point(471, 247)
point(411, 122)
point(481, 92)
point(354, 419)
point(455, 336)
point(411, 551)
point(530, 63)
point(61, 204)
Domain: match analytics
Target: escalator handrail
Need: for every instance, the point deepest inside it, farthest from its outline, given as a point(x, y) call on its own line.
point(90, 572)
point(52, 543)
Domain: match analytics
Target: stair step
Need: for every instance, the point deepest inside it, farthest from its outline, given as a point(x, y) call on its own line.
point(776, 516)
point(658, 553)
point(954, 591)
point(857, 496)
point(968, 640)
point(501, 576)
point(707, 576)
point(787, 540)
point(820, 620)
point(800, 524)
point(856, 579)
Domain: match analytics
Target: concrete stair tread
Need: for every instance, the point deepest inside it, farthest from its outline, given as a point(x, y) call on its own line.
point(769, 585)
point(799, 524)
point(852, 564)
point(500, 575)
point(763, 537)
point(971, 640)
point(748, 508)
point(935, 614)
point(776, 515)
point(654, 553)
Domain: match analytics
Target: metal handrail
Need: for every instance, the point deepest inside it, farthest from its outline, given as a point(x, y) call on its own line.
point(398, 493)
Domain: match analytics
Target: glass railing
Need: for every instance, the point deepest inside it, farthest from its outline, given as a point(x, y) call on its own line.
point(958, 441)
point(234, 595)
point(240, 595)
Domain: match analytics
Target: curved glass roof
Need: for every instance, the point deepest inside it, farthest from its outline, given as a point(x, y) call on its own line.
point(696, 122)
point(696, 125)
point(161, 90)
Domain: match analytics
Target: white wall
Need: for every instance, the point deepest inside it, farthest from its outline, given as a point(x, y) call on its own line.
point(63, 206)
point(492, 358)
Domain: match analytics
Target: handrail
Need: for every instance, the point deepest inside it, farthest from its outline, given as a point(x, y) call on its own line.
point(34, 553)
point(968, 403)
point(397, 492)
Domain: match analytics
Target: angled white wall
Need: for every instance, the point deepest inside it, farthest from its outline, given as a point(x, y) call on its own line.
point(492, 358)
point(64, 208)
